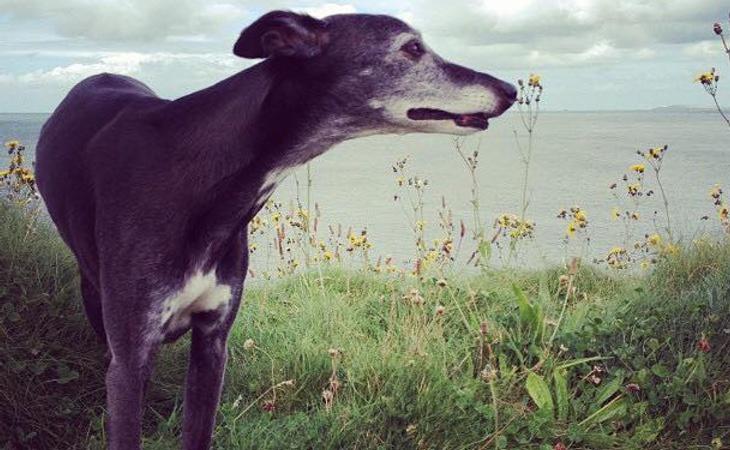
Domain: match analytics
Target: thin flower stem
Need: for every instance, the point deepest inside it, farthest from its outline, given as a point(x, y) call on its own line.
point(666, 203)
point(719, 109)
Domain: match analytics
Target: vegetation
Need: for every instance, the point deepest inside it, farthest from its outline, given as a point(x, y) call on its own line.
point(338, 348)
point(560, 358)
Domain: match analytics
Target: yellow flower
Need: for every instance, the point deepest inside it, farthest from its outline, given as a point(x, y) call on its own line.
point(328, 255)
point(656, 152)
point(506, 220)
point(580, 216)
point(420, 225)
point(571, 229)
point(12, 145)
point(617, 251)
point(401, 181)
point(706, 77)
point(638, 168)
point(670, 249)
point(534, 80)
point(634, 189)
point(654, 240)
point(615, 213)
point(635, 215)
point(252, 247)
point(715, 191)
point(4, 173)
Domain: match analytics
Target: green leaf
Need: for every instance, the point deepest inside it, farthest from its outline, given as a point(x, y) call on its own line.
point(615, 408)
point(485, 250)
point(561, 393)
point(660, 370)
point(539, 391)
point(608, 390)
point(527, 313)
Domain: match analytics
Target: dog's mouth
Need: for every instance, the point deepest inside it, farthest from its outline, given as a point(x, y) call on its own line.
point(479, 120)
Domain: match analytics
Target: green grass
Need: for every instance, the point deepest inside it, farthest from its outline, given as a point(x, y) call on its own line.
point(408, 377)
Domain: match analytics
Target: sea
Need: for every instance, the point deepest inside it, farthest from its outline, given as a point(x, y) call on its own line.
point(576, 157)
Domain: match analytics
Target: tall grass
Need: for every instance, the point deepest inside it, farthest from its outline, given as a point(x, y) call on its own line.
point(351, 359)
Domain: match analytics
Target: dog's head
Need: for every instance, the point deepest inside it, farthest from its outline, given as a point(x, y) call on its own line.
point(379, 73)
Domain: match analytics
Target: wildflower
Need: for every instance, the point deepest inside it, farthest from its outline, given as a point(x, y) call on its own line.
point(571, 229)
point(564, 280)
point(615, 213)
point(703, 345)
point(633, 388)
point(249, 344)
point(716, 443)
point(420, 225)
point(635, 215)
point(670, 249)
point(440, 310)
point(560, 446)
point(484, 328)
point(657, 152)
point(634, 189)
point(328, 397)
point(488, 373)
point(534, 80)
point(401, 181)
point(717, 28)
point(334, 353)
point(707, 78)
point(505, 220)
point(715, 191)
point(638, 168)
point(654, 240)
point(411, 429)
point(441, 283)
point(269, 406)
point(616, 257)
point(12, 145)
point(328, 255)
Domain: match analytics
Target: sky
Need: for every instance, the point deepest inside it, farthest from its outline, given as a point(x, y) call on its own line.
point(591, 54)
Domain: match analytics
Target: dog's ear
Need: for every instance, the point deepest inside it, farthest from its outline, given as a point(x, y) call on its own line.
point(282, 33)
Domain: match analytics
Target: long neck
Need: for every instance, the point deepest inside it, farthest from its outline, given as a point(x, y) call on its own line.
point(235, 136)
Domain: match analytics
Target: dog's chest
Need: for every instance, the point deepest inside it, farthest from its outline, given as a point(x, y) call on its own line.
point(200, 292)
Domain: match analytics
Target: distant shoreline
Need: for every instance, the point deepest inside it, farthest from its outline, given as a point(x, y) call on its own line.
point(659, 110)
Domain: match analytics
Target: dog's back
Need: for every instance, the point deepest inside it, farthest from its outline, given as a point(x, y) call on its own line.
point(62, 155)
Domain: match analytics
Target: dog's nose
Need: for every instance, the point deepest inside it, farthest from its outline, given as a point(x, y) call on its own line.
point(508, 90)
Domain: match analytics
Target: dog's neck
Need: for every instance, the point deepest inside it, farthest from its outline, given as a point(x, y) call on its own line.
point(243, 134)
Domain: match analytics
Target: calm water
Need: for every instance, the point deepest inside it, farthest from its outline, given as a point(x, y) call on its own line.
point(577, 156)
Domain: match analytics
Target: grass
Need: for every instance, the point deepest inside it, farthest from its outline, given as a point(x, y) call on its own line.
point(394, 362)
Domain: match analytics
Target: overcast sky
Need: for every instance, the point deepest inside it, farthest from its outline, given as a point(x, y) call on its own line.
point(592, 54)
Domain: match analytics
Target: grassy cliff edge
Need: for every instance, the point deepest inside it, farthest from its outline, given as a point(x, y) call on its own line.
point(349, 359)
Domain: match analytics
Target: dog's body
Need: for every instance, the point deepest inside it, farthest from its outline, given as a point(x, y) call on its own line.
point(154, 196)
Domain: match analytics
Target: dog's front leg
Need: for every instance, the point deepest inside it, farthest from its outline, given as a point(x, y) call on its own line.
point(208, 355)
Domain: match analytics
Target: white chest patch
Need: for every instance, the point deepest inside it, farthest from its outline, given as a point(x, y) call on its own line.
point(201, 292)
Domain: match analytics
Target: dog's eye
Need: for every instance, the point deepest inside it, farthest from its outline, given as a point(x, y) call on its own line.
point(414, 49)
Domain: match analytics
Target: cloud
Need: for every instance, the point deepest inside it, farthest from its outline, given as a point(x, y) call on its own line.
point(563, 32)
point(134, 20)
point(160, 66)
point(329, 9)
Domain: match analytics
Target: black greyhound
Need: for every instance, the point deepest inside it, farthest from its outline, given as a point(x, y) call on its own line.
point(153, 196)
